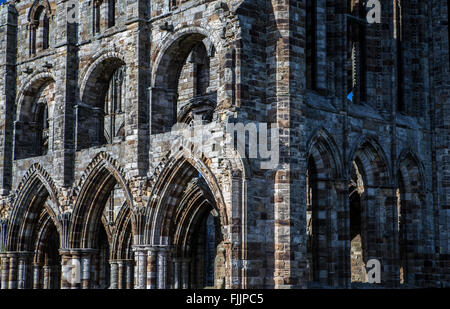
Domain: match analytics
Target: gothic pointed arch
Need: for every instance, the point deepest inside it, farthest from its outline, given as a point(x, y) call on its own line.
point(325, 199)
point(187, 212)
point(371, 211)
point(411, 201)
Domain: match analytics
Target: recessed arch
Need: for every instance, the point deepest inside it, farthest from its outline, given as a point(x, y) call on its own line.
point(94, 109)
point(371, 211)
point(324, 201)
point(35, 192)
point(411, 201)
point(35, 105)
point(95, 185)
point(184, 196)
point(181, 75)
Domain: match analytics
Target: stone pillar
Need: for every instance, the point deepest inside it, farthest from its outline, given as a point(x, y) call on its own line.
point(23, 270)
point(151, 267)
point(12, 270)
point(36, 276)
point(129, 274)
point(65, 269)
point(47, 276)
point(162, 267)
point(86, 262)
point(140, 257)
point(185, 273)
point(75, 269)
point(120, 274)
point(114, 274)
point(177, 273)
point(5, 271)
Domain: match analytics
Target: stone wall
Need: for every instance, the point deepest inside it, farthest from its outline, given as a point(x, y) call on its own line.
point(208, 64)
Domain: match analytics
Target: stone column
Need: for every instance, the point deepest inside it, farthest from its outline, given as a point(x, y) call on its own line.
point(129, 274)
point(36, 276)
point(12, 270)
point(47, 276)
point(75, 269)
point(177, 273)
point(140, 257)
point(162, 267)
point(151, 267)
point(120, 275)
point(23, 269)
point(5, 271)
point(185, 273)
point(114, 275)
point(66, 275)
point(86, 262)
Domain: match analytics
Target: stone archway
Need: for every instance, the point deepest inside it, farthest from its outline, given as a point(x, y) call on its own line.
point(371, 213)
point(411, 198)
point(33, 125)
point(185, 229)
point(100, 115)
point(33, 234)
point(325, 248)
point(184, 80)
point(96, 223)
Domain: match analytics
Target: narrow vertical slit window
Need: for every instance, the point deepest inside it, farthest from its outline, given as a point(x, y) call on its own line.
point(400, 72)
point(356, 51)
point(311, 44)
point(111, 13)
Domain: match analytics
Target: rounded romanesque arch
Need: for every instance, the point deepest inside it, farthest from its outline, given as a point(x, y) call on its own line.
point(35, 106)
point(184, 83)
point(100, 113)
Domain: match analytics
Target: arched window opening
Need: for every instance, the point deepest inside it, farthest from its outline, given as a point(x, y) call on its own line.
point(194, 96)
point(96, 16)
point(312, 222)
point(32, 134)
point(185, 84)
point(113, 115)
point(311, 44)
point(358, 256)
point(39, 31)
point(100, 116)
point(410, 201)
point(356, 50)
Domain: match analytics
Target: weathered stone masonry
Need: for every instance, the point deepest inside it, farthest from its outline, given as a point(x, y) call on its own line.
point(95, 195)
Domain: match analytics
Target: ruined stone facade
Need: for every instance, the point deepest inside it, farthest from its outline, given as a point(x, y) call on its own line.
point(94, 194)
